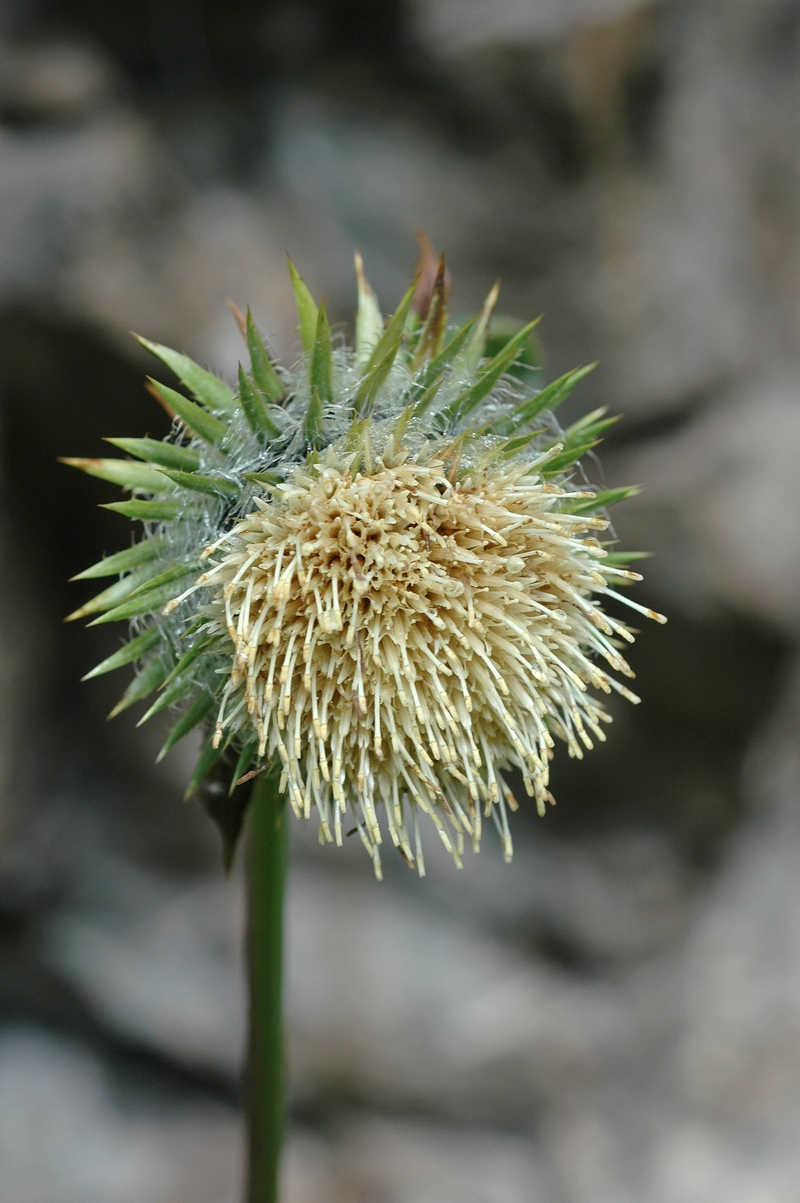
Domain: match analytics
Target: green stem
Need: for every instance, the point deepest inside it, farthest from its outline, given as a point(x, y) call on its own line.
point(265, 1077)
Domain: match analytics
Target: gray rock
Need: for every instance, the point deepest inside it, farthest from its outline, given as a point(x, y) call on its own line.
point(56, 80)
point(721, 501)
point(426, 1163)
point(738, 1060)
point(403, 1000)
point(67, 1134)
point(452, 27)
point(386, 994)
point(157, 963)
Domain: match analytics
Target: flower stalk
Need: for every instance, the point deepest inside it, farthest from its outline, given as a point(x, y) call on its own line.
point(376, 583)
point(265, 1076)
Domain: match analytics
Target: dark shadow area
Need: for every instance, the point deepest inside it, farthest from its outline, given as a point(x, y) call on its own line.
point(673, 764)
point(64, 388)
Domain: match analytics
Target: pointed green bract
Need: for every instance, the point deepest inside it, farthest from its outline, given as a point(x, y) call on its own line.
point(394, 331)
point(416, 409)
point(167, 455)
point(620, 558)
point(204, 424)
point(586, 422)
point(584, 431)
point(246, 758)
point(369, 319)
point(123, 472)
point(448, 354)
point(512, 447)
point(529, 361)
point(477, 344)
point(123, 561)
point(566, 458)
point(203, 484)
point(126, 655)
point(262, 478)
point(322, 358)
point(426, 398)
point(373, 381)
point(146, 511)
point(142, 685)
point(580, 438)
point(306, 309)
point(589, 427)
point(174, 573)
point(263, 373)
point(113, 595)
point(254, 409)
point(602, 500)
point(189, 658)
point(208, 389)
point(193, 627)
point(312, 425)
point(150, 602)
point(549, 397)
point(194, 715)
point(208, 758)
point(172, 694)
point(359, 441)
point(496, 368)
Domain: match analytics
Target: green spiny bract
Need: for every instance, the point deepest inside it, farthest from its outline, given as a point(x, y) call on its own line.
point(415, 394)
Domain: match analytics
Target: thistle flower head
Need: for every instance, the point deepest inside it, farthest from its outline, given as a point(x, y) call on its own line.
point(379, 572)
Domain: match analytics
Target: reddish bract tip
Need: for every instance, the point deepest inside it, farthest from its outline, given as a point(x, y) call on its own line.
point(427, 271)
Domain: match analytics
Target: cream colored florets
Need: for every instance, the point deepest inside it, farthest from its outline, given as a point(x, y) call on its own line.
point(402, 637)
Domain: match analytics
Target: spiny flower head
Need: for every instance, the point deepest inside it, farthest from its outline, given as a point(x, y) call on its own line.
point(378, 573)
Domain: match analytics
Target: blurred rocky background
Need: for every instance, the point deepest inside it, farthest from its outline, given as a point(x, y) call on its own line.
point(615, 1018)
